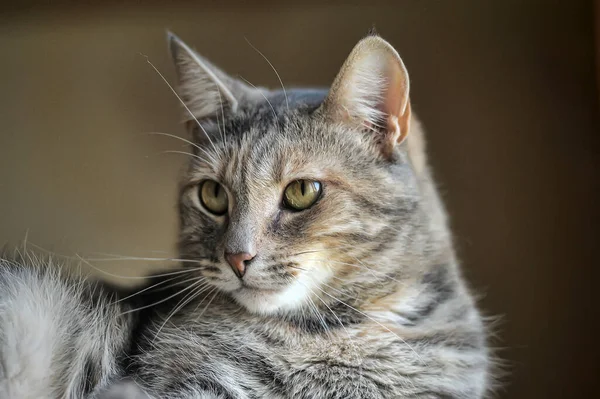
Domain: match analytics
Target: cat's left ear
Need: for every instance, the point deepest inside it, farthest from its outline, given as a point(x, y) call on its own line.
point(372, 91)
point(205, 89)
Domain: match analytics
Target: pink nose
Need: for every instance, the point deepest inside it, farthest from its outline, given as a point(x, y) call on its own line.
point(238, 262)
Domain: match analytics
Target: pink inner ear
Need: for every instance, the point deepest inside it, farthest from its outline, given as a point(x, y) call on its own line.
point(372, 91)
point(395, 95)
point(396, 105)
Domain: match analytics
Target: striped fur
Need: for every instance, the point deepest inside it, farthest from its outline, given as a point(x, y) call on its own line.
point(359, 296)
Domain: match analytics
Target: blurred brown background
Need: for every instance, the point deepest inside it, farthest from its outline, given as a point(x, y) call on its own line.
point(507, 90)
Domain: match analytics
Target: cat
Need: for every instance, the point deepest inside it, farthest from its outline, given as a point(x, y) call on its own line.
point(316, 261)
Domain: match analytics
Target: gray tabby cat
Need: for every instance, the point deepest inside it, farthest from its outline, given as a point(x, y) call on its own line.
point(316, 261)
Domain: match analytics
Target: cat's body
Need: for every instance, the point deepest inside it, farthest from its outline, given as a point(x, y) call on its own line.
point(355, 295)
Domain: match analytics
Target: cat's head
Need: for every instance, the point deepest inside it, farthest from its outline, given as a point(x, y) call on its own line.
point(293, 196)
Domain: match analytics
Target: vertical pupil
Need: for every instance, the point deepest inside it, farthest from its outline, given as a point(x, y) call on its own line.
point(216, 190)
point(302, 187)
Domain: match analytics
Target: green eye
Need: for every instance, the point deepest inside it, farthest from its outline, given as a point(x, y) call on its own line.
point(301, 194)
point(213, 197)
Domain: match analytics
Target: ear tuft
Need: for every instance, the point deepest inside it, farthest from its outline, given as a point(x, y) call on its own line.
point(372, 91)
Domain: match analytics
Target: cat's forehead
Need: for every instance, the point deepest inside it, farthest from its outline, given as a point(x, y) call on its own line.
point(279, 134)
point(280, 138)
point(279, 152)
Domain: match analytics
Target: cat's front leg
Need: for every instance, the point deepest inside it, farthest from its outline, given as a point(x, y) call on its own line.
point(335, 382)
point(430, 371)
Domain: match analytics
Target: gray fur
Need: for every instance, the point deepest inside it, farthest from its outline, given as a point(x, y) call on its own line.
point(386, 313)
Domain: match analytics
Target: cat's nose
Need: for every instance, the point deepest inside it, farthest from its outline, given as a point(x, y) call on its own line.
point(238, 262)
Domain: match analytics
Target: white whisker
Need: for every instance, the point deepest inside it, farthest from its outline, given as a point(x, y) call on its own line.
point(145, 289)
point(186, 141)
point(216, 292)
point(287, 104)
point(184, 301)
point(334, 315)
point(362, 265)
point(87, 262)
point(222, 132)
point(185, 153)
point(369, 317)
point(137, 277)
point(114, 257)
point(262, 94)
point(180, 100)
point(159, 302)
point(319, 315)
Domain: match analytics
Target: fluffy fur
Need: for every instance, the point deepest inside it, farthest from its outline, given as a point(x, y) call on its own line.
point(359, 296)
point(60, 337)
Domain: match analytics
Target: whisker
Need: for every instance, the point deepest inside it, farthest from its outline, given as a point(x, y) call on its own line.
point(138, 277)
point(144, 290)
point(315, 309)
point(164, 287)
point(185, 153)
point(287, 104)
point(310, 251)
point(262, 94)
point(369, 317)
point(180, 100)
point(320, 316)
point(184, 140)
point(362, 264)
point(334, 315)
point(355, 284)
point(184, 301)
point(87, 262)
point(216, 292)
point(297, 267)
point(159, 302)
point(222, 132)
point(114, 257)
point(382, 274)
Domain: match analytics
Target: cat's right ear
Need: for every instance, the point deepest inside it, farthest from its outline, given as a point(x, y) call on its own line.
point(205, 90)
point(371, 92)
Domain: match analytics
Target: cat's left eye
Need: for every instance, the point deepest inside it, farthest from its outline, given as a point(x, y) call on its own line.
point(213, 197)
point(301, 194)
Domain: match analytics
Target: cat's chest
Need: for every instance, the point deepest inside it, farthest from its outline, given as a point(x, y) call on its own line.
point(254, 343)
point(259, 357)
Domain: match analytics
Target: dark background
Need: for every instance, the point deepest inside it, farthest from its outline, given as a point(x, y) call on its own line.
point(507, 91)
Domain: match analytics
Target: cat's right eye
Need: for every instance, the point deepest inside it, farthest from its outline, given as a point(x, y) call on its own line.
point(213, 197)
point(301, 194)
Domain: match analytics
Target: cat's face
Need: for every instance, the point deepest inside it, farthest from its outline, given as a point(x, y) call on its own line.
point(285, 196)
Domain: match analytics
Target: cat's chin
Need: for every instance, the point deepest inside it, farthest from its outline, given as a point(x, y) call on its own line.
point(268, 302)
point(283, 300)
